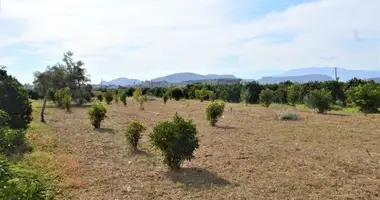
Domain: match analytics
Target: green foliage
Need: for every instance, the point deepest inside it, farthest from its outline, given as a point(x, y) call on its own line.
point(319, 99)
point(15, 101)
point(200, 94)
point(123, 98)
point(293, 94)
point(97, 114)
point(176, 139)
point(4, 118)
point(99, 97)
point(12, 141)
point(130, 91)
point(108, 96)
point(165, 97)
point(133, 133)
point(116, 97)
point(177, 93)
point(137, 93)
point(287, 116)
point(266, 97)
point(280, 96)
point(366, 97)
point(253, 90)
point(19, 183)
point(244, 96)
point(211, 95)
point(214, 111)
point(139, 97)
point(63, 98)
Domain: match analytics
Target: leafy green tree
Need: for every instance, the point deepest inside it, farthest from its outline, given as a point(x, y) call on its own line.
point(97, 113)
point(253, 89)
point(108, 96)
point(177, 140)
point(214, 111)
point(133, 133)
point(366, 97)
point(177, 93)
point(293, 94)
point(319, 99)
point(280, 95)
point(123, 98)
point(15, 101)
point(266, 97)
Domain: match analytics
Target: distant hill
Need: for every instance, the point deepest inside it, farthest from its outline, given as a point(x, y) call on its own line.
point(299, 79)
point(343, 74)
point(187, 76)
point(121, 82)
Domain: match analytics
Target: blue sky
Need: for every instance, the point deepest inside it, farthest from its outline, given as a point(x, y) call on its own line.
point(149, 38)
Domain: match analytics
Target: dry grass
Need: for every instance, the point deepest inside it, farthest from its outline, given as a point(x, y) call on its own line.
point(248, 155)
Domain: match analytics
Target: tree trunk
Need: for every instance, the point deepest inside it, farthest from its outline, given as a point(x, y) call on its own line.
point(43, 108)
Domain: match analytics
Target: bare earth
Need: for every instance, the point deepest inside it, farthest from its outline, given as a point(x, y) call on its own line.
point(249, 155)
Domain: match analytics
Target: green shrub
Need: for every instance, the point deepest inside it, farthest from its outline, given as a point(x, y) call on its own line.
point(116, 97)
point(97, 114)
point(201, 94)
point(4, 118)
point(319, 99)
point(19, 183)
point(214, 111)
point(165, 97)
point(212, 96)
point(288, 116)
point(176, 139)
point(266, 97)
point(108, 97)
point(123, 98)
point(99, 97)
point(15, 101)
point(133, 133)
point(293, 94)
point(141, 100)
point(177, 93)
point(366, 97)
point(13, 141)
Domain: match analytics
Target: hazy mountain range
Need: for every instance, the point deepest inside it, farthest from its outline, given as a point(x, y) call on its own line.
point(297, 75)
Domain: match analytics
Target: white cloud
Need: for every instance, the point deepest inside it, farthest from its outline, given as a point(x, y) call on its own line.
point(149, 38)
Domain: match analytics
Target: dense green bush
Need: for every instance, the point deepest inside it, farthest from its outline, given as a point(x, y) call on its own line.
point(253, 90)
point(99, 97)
point(97, 114)
point(366, 97)
point(176, 139)
point(4, 118)
point(177, 93)
point(165, 97)
point(293, 94)
point(200, 94)
point(116, 97)
point(13, 141)
point(108, 96)
point(290, 116)
point(214, 111)
point(15, 101)
point(18, 183)
point(280, 96)
point(266, 97)
point(212, 96)
point(123, 98)
point(67, 99)
point(133, 133)
point(130, 91)
point(319, 99)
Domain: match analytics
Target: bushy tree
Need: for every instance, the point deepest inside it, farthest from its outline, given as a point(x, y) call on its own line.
point(211, 95)
point(200, 94)
point(130, 91)
point(99, 97)
point(176, 139)
point(108, 96)
point(177, 93)
point(133, 133)
point(366, 97)
point(293, 94)
point(13, 141)
point(319, 99)
point(14, 100)
point(244, 96)
point(123, 98)
point(253, 90)
point(280, 95)
point(63, 98)
point(266, 97)
point(97, 113)
point(214, 111)
point(139, 97)
point(165, 98)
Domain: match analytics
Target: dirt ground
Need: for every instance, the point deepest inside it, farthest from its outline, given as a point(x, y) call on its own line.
point(249, 155)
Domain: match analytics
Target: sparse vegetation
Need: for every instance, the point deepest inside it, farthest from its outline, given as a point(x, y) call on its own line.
point(177, 140)
point(97, 114)
point(288, 116)
point(266, 97)
point(214, 111)
point(133, 133)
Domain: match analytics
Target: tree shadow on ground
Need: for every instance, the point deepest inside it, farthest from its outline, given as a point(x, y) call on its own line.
point(104, 130)
point(197, 178)
point(225, 127)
